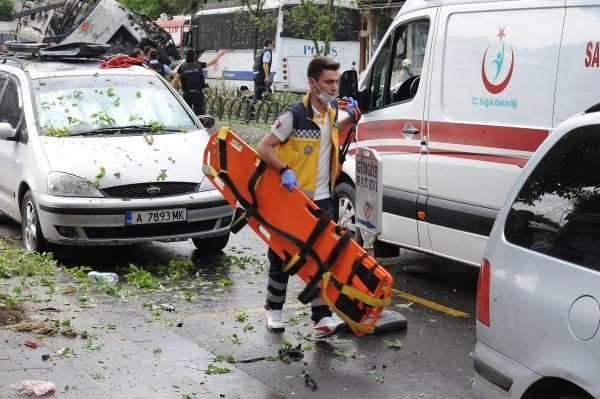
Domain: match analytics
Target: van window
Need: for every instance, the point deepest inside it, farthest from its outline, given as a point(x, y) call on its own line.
point(379, 77)
point(408, 58)
point(10, 111)
point(396, 72)
point(557, 211)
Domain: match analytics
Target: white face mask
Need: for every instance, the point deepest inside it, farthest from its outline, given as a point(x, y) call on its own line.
point(321, 95)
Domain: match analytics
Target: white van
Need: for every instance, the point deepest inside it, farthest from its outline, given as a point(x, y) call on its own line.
point(456, 99)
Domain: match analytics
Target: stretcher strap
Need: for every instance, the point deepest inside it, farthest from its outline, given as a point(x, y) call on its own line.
point(354, 293)
point(310, 291)
point(222, 154)
point(260, 169)
point(298, 260)
point(222, 137)
point(350, 314)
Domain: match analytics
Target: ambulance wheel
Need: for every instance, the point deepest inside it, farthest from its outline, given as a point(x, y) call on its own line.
point(344, 200)
point(212, 244)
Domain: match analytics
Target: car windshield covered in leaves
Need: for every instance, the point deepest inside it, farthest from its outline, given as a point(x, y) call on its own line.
point(77, 105)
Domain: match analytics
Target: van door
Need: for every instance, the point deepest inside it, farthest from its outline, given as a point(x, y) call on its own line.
point(393, 99)
point(491, 103)
point(11, 151)
point(579, 67)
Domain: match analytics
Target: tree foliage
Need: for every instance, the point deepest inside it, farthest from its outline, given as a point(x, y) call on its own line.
point(262, 21)
point(6, 10)
point(153, 8)
point(317, 21)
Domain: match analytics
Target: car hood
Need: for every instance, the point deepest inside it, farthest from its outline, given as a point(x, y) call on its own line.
point(119, 160)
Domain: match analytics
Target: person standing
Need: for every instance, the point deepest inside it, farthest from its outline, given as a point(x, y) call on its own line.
point(262, 70)
point(303, 147)
point(162, 69)
point(191, 74)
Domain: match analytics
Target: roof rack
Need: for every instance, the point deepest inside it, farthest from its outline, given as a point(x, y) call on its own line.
point(77, 50)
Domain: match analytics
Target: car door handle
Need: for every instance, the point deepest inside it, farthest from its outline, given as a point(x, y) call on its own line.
point(409, 129)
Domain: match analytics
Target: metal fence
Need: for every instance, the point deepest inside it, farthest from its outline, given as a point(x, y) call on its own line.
point(238, 105)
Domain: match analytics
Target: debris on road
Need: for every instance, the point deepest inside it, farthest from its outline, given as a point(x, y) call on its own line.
point(33, 387)
point(289, 353)
point(310, 382)
point(97, 277)
point(168, 307)
point(31, 344)
point(395, 344)
point(49, 329)
point(45, 356)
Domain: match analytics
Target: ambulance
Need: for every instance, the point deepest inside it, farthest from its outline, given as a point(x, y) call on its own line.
point(457, 97)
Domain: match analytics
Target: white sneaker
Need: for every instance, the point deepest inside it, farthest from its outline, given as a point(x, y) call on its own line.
point(274, 320)
point(325, 327)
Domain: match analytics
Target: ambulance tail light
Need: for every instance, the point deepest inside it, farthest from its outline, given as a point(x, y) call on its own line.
point(483, 293)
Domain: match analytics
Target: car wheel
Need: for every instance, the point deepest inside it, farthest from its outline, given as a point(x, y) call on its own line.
point(344, 198)
point(31, 231)
point(212, 244)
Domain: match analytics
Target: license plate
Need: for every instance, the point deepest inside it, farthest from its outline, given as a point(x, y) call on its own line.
point(156, 216)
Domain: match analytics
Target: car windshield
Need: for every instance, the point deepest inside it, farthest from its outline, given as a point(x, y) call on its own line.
point(76, 105)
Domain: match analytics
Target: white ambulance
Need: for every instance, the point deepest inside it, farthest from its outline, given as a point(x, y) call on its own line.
point(456, 99)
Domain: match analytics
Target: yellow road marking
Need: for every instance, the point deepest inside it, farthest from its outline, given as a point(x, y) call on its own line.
point(429, 304)
point(401, 294)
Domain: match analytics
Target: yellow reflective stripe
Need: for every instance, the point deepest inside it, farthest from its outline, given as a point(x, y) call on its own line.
point(209, 170)
point(223, 131)
point(354, 325)
point(291, 263)
point(361, 296)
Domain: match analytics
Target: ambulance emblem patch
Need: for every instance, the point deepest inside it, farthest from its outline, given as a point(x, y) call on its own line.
point(496, 68)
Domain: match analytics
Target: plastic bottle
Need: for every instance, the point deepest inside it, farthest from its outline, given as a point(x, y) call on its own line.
point(96, 277)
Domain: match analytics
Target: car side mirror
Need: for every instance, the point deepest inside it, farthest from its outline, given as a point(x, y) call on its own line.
point(207, 121)
point(349, 84)
point(7, 131)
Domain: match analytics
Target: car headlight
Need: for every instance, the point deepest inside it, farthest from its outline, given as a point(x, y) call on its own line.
point(71, 186)
point(205, 185)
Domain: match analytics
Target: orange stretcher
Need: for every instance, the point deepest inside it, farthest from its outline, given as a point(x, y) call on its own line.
point(312, 246)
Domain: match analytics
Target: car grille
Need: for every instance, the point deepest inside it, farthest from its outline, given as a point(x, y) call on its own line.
point(149, 190)
point(149, 230)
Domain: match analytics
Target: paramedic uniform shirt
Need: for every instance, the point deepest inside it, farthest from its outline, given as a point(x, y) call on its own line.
point(284, 131)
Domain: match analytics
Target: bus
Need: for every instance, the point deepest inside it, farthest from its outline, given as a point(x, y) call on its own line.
point(231, 28)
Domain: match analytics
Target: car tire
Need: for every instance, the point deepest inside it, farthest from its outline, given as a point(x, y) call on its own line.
point(212, 244)
point(31, 231)
point(344, 195)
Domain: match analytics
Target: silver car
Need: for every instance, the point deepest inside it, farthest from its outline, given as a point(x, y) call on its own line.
point(93, 156)
point(538, 310)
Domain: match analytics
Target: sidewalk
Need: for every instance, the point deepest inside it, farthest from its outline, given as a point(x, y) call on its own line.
point(127, 353)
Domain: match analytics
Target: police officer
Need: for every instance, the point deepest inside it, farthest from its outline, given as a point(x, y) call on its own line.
point(262, 69)
point(191, 74)
point(303, 147)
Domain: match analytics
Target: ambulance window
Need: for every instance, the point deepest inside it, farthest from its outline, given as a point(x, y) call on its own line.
point(557, 211)
point(379, 77)
point(410, 42)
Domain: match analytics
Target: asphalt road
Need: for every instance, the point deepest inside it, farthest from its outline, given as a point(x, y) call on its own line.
point(434, 361)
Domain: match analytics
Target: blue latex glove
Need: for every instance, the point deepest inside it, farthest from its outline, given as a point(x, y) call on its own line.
point(352, 108)
point(288, 179)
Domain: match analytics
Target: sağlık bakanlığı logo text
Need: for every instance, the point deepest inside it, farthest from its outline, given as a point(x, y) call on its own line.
point(496, 72)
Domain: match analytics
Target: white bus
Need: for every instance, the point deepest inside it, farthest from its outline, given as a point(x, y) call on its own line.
point(231, 29)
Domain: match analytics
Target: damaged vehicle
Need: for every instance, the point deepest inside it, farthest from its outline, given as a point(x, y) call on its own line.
point(92, 21)
point(94, 156)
